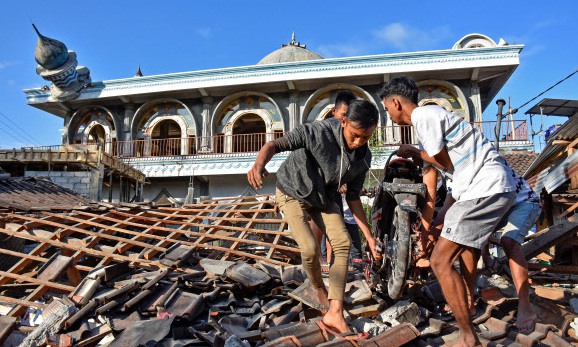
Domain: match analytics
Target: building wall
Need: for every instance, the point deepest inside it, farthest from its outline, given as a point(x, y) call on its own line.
point(77, 181)
point(221, 186)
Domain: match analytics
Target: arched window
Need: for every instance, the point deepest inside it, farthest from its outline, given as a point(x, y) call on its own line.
point(166, 138)
point(322, 105)
point(164, 109)
point(435, 94)
point(247, 103)
point(248, 133)
point(246, 123)
point(99, 125)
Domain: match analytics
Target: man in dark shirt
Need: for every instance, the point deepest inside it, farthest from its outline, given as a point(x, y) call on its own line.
point(307, 182)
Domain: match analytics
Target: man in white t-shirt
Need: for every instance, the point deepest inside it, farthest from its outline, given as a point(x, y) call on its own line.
point(482, 188)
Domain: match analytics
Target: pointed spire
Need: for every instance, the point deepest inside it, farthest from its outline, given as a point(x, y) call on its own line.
point(138, 72)
point(50, 54)
point(293, 42)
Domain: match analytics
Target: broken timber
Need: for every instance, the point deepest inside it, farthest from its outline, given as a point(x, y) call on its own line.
point(67, 247)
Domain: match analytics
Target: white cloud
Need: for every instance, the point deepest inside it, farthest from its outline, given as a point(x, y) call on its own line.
point(7, 64)
point(407, 38)
point(204, 32)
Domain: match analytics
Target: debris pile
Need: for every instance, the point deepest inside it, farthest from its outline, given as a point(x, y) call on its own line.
point(222, 273)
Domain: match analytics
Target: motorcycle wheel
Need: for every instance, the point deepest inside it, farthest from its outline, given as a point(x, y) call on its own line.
point(400, 260)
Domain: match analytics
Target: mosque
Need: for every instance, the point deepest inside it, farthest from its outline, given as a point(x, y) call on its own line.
point(202, 129)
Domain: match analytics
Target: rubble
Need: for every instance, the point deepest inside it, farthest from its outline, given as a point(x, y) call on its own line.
point(208, 275)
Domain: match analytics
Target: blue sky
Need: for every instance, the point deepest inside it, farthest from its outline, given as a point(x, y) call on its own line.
point(112, 38)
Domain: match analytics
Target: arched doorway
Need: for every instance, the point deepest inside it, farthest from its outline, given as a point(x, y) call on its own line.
point(248, 133)
point(96, 135)
point(166, 138)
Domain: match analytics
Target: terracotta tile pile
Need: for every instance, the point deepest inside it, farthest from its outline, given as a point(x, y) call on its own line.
point(35, 193)
point(219, 273)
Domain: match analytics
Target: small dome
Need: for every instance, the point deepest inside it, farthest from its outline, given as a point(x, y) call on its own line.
point(50, 54)
point(475, 41)
point(291, 52)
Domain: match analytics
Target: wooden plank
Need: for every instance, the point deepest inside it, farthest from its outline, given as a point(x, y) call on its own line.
point(37, 281)
point(549, 238)
point(569, 209)
point(37, 258)
point(46, 242)
point(237, 243)
point(218, 226)
point(88, 250)
point(26, 303)
point(559, 269)
point(183, 232)
point(88, 232)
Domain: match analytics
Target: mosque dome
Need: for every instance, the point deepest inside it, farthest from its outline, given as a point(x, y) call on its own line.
point(50, 54)
point(290, 52)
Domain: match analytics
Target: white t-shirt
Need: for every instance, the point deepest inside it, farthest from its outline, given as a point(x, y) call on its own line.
point(523, 190)
point(347, 214)
point(479, 170)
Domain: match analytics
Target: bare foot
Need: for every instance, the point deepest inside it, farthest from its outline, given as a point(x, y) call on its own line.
point(336, 322)
point(465, 340)
point(525, 322)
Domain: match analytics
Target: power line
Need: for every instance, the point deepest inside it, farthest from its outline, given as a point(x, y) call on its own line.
point(557, 83)
point(18, 140)
point(14, 133)
point(30, 137)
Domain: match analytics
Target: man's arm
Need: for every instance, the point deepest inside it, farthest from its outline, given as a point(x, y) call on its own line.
point(441, 160)
point(430, 179)
point(258, 171)
point(438, 224)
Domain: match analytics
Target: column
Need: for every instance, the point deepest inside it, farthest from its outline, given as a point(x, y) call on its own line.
point(294, 118)
point(128, 148)
point(66, 128)
point(476, 101)
point(206, 131)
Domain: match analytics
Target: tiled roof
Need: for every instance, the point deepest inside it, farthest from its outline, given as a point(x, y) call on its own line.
point(519, 160)
point(28, 193)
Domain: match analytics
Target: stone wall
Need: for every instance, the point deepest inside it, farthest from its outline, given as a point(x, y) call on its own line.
point(77, 181)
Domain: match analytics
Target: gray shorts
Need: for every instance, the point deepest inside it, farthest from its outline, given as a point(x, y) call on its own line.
point(471, 222)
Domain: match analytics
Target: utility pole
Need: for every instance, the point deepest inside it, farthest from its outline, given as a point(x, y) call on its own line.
point(501, 103)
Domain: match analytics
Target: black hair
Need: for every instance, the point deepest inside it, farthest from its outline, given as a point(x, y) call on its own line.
point(344, 97)
point(363, 113)
point(402, 86)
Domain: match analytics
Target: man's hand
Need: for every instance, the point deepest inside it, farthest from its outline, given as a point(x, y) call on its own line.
point(372, 243)
point(428, 239)
point(343, 189)
point(255, 176)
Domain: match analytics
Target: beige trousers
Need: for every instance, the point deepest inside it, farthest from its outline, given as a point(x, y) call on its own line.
point(331, 223)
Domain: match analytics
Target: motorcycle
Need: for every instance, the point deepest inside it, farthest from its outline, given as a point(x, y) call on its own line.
point(396, 211)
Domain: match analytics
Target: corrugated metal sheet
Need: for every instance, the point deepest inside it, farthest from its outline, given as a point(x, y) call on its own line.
point(555, 107)
point(568, 132)
point(561, 173)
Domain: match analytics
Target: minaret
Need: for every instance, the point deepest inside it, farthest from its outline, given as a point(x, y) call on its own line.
point(58, 65)
point(293, 42)
point(138, 72)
